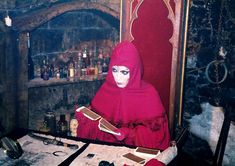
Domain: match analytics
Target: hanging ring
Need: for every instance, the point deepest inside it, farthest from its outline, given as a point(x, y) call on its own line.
point(216, 62)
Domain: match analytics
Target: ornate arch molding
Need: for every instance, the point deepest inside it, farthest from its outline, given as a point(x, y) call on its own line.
point(29, 21)
point(131, 14)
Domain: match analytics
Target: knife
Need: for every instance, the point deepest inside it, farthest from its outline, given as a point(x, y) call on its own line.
point(48, 141)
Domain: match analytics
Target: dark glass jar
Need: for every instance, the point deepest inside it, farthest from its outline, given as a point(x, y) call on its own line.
point(50, 122)
point(62, 125)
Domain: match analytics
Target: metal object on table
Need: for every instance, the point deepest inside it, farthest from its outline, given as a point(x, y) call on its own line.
point(48, 141)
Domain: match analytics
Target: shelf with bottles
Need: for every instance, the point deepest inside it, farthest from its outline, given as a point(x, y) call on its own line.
point(39, 82)
point(82, 66)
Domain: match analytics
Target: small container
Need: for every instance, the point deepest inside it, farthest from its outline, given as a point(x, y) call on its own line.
point(73, 124)
point(62, 125)
point(50, 122)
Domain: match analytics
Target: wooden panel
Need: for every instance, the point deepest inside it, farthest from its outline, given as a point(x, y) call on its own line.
point(155, 28)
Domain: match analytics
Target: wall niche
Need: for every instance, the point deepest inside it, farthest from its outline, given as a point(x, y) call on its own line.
point(58, 37)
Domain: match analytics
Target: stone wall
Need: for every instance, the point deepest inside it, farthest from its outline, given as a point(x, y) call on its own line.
point(8, 78)
point(209, 29)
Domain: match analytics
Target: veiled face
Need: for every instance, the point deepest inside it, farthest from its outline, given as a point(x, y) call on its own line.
point(126, 56)
point(121, 75)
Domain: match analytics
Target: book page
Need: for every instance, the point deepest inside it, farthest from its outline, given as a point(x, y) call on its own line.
point(88, 113)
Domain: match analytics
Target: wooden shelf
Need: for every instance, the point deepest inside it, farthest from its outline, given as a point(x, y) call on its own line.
point(39, 82)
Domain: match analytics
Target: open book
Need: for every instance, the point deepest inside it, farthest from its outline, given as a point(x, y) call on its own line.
point(104, 125)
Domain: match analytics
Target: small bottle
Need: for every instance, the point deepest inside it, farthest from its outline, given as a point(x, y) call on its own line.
point(73, 124)
point(62, 125)
point(99, 67)
point(44, 70)
point(96, 72)
point(104, 66)
point(50, 122)
point(51, 71)
point(75, 69)
point(30, 61)
point(66, 71)
point(79, 65)
point(71, 70)
point(30, 68)
point(61, 71)
point(37, 71)
point(86, 59)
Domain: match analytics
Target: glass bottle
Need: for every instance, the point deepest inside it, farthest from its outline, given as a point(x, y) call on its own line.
point(71, 70)
point(73, 124)
point(104, 66)
point(85, 58)
point(30, 68)
point(44, 70)
point(61, 71)
point(75, 68)
point(62, 125)
point(50, 122)
point(30, 61)
point(99, 67)
point(37, 71)
point(96, 72)
point(51, 71)
point(66, 72)
point(79, 65)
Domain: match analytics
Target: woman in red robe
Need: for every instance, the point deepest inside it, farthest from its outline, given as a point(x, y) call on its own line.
point(133, 106)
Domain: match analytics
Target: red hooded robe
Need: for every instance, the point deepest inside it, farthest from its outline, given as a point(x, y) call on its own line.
point(136, 109)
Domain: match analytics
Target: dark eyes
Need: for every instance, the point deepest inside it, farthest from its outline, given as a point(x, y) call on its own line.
point(124, 72)
point(114, 70)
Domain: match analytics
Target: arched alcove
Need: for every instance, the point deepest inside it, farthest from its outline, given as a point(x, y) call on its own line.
point(31, 20)
point(40, 32)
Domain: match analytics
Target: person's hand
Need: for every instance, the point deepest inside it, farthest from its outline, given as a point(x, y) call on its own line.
point(122, 134)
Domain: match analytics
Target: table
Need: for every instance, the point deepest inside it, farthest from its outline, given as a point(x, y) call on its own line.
point(37, 153)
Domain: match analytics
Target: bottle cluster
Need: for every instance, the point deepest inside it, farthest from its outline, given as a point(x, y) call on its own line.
point(66, 124)
point(83, 63)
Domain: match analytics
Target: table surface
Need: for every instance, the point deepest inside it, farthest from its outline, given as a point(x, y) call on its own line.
point(37, 153)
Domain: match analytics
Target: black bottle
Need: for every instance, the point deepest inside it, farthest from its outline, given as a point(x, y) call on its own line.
point(30, 68)
point(30, 61)
point(62, 125)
